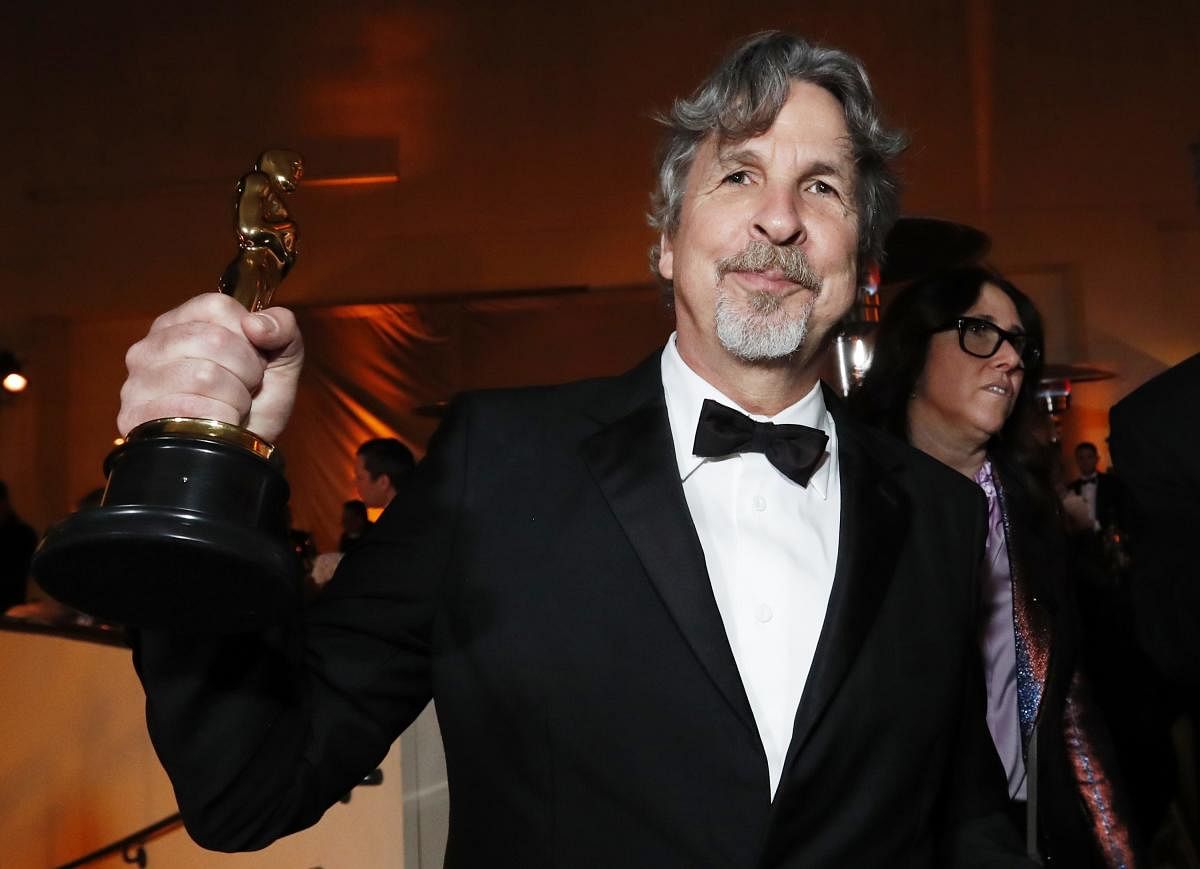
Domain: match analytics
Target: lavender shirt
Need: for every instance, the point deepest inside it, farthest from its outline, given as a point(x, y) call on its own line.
point(998, 643)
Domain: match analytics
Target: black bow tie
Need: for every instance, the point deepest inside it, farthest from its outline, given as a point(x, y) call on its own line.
point(795, 450)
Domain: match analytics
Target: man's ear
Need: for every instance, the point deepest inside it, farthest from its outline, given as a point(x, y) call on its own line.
point(666, 257)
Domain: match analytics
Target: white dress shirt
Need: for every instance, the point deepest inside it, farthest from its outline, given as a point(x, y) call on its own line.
point(770, 545)
point(1088, 487)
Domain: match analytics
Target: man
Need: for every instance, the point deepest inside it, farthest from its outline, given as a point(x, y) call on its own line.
point(17, 542)
point(1152, 434)
point(1101, 492)
point(1153, 450)
point(380, 467)
point(652, 643)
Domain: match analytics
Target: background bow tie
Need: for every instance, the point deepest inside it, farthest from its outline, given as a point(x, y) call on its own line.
point(795, 450)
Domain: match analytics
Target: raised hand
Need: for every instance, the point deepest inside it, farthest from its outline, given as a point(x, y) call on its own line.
point(209, 358)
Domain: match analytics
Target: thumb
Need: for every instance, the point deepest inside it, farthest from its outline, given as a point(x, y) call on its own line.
point(273, 331)
point(276, 336)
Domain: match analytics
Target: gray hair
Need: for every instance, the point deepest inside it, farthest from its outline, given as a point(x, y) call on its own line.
point(742, 98)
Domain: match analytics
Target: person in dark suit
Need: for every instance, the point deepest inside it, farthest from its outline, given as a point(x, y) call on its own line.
point(1151, 438)
point(692, 616)
point(1151, 433)
point(1100, 491)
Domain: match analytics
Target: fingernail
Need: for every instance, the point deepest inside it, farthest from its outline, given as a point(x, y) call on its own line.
point(267, 323)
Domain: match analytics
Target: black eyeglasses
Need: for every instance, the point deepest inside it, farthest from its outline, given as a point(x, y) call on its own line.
point(982, 338)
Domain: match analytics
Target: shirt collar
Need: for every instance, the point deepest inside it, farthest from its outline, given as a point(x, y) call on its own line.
point(686, 391)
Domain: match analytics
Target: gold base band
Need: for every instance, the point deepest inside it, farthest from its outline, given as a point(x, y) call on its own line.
point(203, 429)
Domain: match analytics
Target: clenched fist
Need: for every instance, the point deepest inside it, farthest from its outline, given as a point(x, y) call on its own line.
point(211, 359)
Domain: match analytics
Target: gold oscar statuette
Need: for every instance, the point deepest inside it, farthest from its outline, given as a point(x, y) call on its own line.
point(192, 531)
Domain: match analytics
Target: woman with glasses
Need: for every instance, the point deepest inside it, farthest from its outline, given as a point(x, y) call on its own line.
point(955, 368)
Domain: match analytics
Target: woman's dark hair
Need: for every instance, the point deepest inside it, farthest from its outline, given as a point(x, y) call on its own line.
point(902, 347)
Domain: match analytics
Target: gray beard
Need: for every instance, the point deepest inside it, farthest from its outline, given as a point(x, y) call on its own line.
point(761, 330)
point(758, 332)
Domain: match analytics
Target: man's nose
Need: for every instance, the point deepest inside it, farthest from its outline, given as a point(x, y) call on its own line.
point(778, 219)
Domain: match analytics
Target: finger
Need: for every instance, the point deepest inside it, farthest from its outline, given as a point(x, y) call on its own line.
point(276, 335)
point(201, 342)
point(187, 376)
point(194, 368)
point(216, 308)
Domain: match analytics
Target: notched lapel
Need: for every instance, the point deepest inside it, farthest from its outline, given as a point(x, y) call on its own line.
point(873, 527)
point(633, 461)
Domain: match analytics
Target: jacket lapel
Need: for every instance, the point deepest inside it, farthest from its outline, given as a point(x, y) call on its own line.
point(633, 460)
point(873, 526)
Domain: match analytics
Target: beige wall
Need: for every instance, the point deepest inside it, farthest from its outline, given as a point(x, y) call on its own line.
point(77, 772)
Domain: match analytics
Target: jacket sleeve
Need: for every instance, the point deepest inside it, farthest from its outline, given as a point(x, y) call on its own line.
point(261, 733)
point(1089, 754)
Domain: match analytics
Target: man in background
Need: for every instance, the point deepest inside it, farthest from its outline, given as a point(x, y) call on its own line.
point(381, 465)
point(1101, 492)
point(380, 468)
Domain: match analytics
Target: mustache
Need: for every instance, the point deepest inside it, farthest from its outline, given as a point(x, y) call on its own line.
point(761, 256)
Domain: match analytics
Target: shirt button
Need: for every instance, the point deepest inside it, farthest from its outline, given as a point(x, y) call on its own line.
point(760, 503)
point(764, 614)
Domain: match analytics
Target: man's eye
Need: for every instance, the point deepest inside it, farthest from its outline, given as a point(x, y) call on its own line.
point(739, 177)
point(820, 187)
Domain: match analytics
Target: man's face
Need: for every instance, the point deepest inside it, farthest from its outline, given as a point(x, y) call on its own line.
point(1086, 460)
point(372, 491)
point(764, 258)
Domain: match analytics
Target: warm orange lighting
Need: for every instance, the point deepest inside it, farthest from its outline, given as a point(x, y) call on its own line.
point(15, 382)
point(351, 180)
point(118, 441)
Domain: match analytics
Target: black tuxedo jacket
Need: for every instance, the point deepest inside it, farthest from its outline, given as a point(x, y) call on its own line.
point(1153, 433)
point(542, 580)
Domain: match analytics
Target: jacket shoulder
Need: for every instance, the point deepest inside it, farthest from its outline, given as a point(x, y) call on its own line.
point(598, 398)
point(920, 473)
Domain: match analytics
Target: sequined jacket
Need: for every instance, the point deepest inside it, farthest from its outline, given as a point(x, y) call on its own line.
point(1082, 815)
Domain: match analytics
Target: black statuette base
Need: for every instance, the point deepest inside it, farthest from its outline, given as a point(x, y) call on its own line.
point(192, 534)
